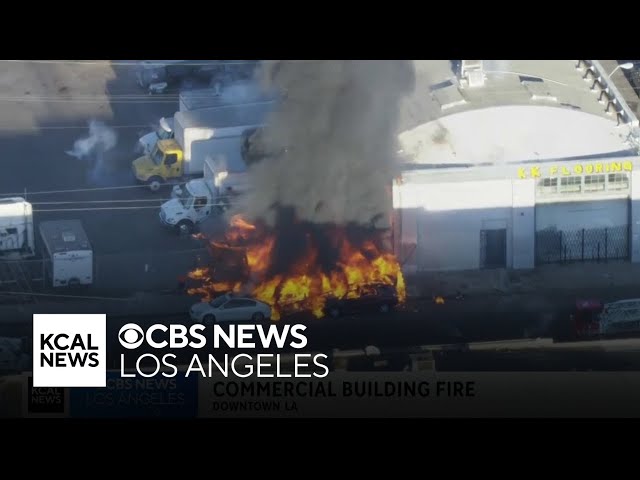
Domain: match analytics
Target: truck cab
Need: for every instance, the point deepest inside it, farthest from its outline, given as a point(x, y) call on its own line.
point(162, 164)
point(164, 131)
point(222, 184)
point(189, 205)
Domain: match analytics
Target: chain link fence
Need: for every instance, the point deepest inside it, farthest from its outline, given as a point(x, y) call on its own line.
point(584, 245)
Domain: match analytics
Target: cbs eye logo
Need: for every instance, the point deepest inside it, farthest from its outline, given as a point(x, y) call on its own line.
point(131, 336)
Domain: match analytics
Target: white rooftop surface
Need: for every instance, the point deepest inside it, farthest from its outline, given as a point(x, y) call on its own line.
point(510, 118)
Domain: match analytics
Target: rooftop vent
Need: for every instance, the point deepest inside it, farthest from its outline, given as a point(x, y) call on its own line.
point(472, 73)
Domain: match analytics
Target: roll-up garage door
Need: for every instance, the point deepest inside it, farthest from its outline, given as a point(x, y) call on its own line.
point(582, 231)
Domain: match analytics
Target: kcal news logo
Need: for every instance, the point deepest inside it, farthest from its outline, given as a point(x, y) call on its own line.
point(69, 350)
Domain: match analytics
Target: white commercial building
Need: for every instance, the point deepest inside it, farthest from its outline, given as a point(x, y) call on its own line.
point(514, 164)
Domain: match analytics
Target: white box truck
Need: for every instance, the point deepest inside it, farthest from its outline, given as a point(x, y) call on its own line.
point(67, 253)
point(16, 229)
point(224, 181)
point(198, 134)
point(235, 93)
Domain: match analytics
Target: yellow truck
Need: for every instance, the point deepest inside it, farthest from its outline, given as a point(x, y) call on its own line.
point(198, 135)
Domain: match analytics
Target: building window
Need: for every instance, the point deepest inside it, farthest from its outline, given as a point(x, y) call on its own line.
point(549, 182)
point(594, 183)
point(548, 185)
point(618, 181)
point(571, 184)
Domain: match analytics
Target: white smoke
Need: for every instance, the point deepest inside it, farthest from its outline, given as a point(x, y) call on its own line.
point(241, 92)
point(93, 148)
point(100, 140)
point(338, 122)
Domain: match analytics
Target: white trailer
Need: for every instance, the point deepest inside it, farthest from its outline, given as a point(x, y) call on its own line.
point(67, 253)
point(16, 229)
point(215, 131)
point(198, 134)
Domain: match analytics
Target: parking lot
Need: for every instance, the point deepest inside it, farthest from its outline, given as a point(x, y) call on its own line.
point(44, 108)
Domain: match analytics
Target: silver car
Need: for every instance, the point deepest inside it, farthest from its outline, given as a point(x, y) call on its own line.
point(229, 308)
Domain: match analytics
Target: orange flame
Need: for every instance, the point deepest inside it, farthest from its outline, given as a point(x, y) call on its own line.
point(305, 285)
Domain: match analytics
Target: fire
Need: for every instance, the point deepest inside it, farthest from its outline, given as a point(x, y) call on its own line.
point(252, 255)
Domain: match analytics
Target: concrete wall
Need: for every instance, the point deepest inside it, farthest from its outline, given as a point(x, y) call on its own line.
point(444, 220)
point(438, 227)
point(569, 216)
point(635, 216)
point(523, 224)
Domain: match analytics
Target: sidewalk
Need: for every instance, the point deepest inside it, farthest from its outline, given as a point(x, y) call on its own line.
point(545, 280)
point(141, 304)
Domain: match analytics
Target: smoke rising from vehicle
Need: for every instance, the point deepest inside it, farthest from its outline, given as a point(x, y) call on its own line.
point(93, 148)
point(338, 122)
point(100, 139)
point(241, 92)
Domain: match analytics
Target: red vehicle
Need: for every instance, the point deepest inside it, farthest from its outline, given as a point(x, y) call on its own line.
point(585, 321)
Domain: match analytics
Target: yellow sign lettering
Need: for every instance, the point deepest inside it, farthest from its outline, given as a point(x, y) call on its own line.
point(576, 169)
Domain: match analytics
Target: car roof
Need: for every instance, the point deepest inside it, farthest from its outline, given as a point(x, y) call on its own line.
point(233, 296)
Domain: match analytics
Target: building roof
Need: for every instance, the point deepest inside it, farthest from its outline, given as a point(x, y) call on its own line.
point(64, 236)
point(525, 110)
point(473, 173)
point(226, 116)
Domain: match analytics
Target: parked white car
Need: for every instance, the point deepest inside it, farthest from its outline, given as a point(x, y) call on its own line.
point(229, 308)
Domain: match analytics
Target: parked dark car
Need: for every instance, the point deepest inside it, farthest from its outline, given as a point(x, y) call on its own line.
point(367, 298)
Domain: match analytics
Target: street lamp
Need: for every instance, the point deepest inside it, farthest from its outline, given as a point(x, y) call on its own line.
point(624, 66)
